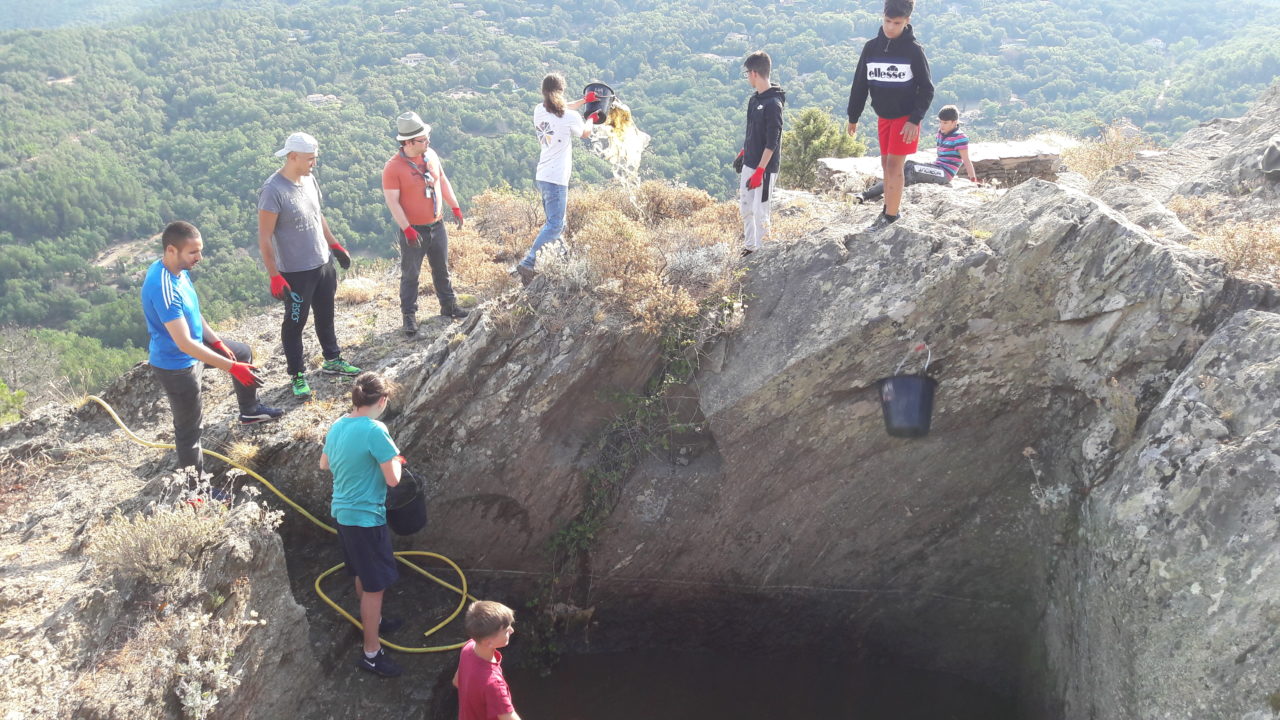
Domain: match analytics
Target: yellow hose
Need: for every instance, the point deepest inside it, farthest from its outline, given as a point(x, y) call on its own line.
point(463, 595)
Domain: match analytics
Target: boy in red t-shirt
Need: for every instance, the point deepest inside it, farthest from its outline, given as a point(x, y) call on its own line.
point(482, 690)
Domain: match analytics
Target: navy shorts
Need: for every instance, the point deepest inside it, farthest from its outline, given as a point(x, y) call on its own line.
point(367, 552)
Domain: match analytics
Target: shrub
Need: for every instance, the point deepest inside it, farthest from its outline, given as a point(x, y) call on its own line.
point(814, 134)
point(1249, 249)
point(1118, 144)
point(499, 215)
point(161, 546)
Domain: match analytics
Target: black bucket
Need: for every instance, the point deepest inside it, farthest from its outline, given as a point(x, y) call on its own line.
point(406, 507)
point(602, 104)
point(907, 400)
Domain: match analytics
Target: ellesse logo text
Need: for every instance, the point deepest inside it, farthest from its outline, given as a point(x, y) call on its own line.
point(889, 72)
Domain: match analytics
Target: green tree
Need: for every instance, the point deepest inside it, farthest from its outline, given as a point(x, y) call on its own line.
point(10, 404)
point(815, 134)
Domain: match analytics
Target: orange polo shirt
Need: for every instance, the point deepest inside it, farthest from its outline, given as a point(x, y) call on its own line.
point(398, 175)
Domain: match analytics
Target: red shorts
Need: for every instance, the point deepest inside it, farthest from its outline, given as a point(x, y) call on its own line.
point(891, 137)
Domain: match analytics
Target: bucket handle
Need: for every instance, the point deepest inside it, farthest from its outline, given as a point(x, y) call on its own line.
point(917, 348)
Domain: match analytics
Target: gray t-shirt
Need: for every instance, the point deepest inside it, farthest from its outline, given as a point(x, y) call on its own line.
point(299, 235)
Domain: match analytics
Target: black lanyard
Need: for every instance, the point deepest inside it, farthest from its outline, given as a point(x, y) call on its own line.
point(424, 172)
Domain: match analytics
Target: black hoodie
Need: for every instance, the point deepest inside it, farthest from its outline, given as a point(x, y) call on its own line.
point(764, 127)
point(896, 74)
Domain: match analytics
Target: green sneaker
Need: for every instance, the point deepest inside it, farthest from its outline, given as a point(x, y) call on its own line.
point(300, 386)
point(338, 366)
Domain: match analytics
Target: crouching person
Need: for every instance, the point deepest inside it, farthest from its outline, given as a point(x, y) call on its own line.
point(365, 462)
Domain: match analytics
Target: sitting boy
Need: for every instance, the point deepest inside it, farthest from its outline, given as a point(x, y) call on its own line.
point(482, 690)
point(953, 151)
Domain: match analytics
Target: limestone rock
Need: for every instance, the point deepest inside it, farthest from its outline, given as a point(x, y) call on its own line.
point(1170, 610)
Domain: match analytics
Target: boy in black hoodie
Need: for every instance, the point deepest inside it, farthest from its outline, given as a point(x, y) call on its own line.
point(757, 162)
point(893, 69)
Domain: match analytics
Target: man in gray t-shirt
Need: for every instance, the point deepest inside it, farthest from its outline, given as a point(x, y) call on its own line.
point(296, 245)
point(298, 235)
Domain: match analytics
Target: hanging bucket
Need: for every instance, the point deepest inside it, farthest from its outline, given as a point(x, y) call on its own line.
point(603, 102)
point(406, 507)
point(907, 400)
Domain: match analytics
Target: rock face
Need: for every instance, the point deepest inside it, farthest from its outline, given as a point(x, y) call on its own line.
point(1090, 527)
point(1056, 327)
point(1167, 605)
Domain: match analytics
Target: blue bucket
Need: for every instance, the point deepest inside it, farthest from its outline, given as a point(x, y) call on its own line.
point(907, 400)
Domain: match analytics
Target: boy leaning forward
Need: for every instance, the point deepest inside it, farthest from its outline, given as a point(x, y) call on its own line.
point(893, 70)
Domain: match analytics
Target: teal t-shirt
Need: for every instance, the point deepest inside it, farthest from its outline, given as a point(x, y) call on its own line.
point(356, 446)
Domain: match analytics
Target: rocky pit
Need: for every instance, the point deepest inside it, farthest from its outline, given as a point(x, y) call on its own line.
point(1091, 529)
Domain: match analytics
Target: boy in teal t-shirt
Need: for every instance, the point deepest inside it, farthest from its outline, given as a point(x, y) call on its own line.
point(365, 462)
point(357, 447)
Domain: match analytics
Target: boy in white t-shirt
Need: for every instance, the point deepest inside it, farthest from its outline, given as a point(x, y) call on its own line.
point(557, 125)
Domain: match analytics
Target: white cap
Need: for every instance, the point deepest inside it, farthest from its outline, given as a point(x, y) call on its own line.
point(298, 142)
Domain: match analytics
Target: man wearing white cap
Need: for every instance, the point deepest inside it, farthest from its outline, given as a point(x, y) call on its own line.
point(297, 249)
point(416, 189)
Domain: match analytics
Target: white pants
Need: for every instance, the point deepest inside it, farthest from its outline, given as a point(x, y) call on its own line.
point(754, 206)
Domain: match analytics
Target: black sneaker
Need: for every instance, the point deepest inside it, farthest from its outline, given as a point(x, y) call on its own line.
point(410, 325)
point(262, 413)
point(453, 311)
point(746, 252)
point(381, 664)
point(859, 198)
point(527, 274)
point(387, 626)
point(882, 221)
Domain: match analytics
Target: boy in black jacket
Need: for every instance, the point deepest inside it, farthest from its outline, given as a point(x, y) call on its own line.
point(757, 162)
point(893, 69)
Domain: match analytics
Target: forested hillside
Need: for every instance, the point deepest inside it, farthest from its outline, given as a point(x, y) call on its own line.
point(109, 131)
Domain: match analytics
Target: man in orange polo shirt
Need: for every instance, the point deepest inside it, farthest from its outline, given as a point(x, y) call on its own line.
point(415, 186)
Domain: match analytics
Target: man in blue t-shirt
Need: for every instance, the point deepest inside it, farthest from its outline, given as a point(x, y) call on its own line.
point(953, 153)
point(182, 343)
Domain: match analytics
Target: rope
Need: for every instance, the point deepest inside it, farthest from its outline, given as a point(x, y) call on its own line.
point(463, 595)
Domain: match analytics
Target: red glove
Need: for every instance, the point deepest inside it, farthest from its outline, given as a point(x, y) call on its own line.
point(593, 118)
point(339, 252)
point(411, 236)
point(401, 460)
point(245, 375)
point(756, 178)
point(457, 215)
point(279, 287)
point(222, 348)
point(590, 97)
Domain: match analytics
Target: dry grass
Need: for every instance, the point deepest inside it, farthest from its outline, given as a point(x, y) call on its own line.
point(243, 453)
point(1118, 144)
point(356, 290)
point(1250, 249)
point(478, 263)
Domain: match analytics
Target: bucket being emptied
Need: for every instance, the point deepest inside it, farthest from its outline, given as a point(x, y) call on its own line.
point(406, 507)
point(601, 105)
point(907, 400)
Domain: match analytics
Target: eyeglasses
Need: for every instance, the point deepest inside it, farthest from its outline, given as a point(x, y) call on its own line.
point(420, 141)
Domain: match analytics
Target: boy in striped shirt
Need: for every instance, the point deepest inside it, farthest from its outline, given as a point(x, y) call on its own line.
point(953, 153)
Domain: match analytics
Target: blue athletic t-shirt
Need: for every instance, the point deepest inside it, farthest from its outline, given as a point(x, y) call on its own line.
point(356, 447)
point(167, 297)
